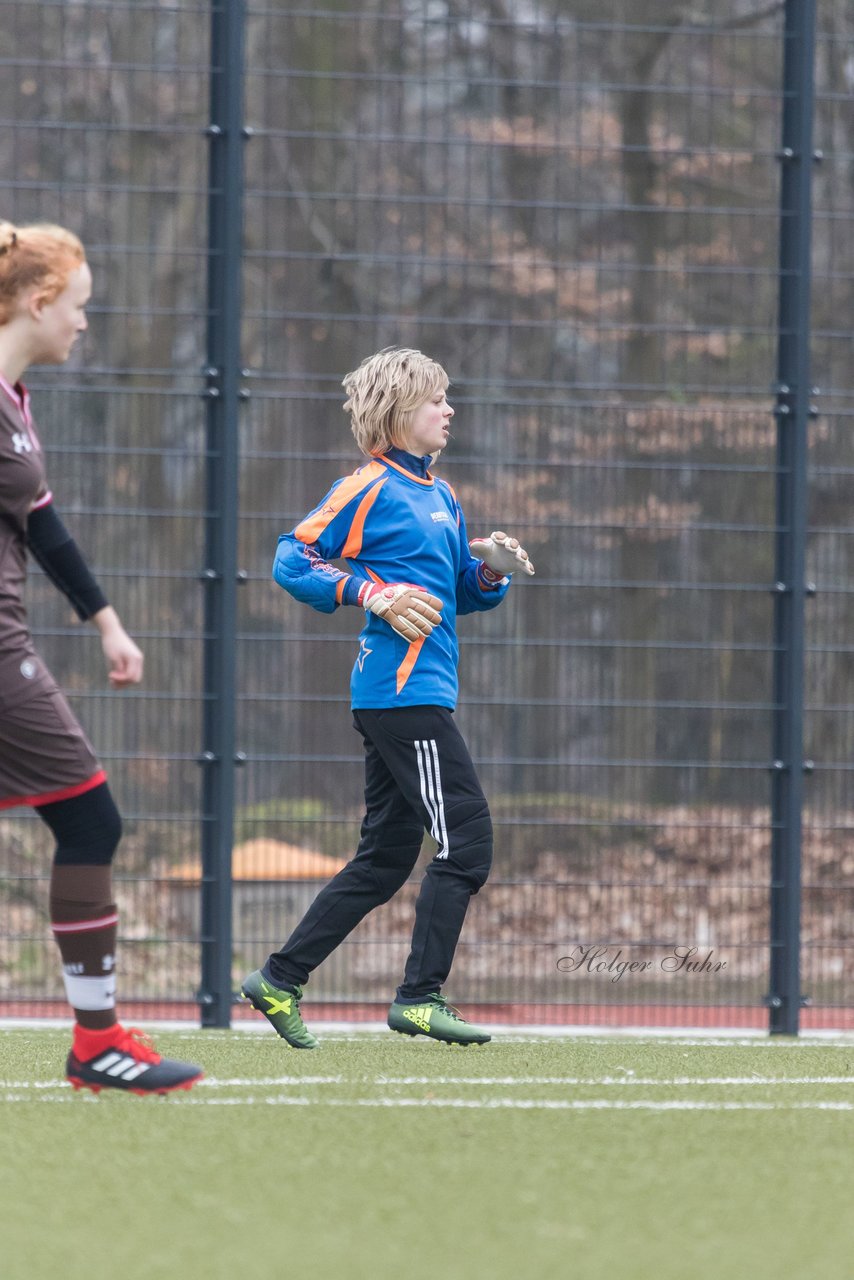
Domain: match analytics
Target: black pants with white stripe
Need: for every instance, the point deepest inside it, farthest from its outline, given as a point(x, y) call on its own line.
point(418, 775)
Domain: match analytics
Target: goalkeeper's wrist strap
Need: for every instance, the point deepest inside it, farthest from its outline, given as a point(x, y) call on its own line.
point(488, 578)
point(353, 590)
point(356, 592)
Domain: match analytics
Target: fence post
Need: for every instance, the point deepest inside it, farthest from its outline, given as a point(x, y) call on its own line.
point(793, 413)
point(222, 373)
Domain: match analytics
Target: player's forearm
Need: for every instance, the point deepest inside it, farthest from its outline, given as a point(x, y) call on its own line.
point(54, 549)
point(473, 595)
point(107, 621)
point(302, 572)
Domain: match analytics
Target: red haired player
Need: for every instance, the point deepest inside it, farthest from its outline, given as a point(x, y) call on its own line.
point(46, 760)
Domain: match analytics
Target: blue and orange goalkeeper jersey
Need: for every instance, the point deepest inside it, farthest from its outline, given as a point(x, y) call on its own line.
point(391, 521)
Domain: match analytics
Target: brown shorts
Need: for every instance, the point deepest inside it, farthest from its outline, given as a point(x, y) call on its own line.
point(44, 754)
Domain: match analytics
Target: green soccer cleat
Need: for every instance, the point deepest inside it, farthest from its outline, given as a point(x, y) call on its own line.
point(434, 1017)
point(281, 1008)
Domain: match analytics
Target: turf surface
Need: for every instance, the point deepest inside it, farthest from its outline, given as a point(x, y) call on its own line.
point(377, 1156)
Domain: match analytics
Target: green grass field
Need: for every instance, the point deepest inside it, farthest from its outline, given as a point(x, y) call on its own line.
point(375, 1157)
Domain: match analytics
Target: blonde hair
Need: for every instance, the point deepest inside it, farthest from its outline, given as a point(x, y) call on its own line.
point(40, 254)
point(384, 392)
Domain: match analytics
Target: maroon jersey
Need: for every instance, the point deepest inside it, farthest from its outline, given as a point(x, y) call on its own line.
point(22, 488)
point(44, 754)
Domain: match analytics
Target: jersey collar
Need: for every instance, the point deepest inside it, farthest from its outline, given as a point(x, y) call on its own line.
point(20, 397)
point(414, 468)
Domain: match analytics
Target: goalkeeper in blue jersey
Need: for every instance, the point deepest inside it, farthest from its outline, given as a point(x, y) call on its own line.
point(400, 533)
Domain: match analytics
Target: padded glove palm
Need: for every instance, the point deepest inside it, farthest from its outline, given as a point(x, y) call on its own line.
point(501, 554)
point(410, 610)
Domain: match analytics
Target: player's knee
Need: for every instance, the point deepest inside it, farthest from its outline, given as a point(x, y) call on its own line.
point(87, 828)
point(470, 845)
point(107, 834)
point(99, 846)
point(390, 879)
point(392, 867)
point(388, 855)
point(480, 867)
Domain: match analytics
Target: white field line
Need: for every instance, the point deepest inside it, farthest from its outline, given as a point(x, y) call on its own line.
point(566, 1035)
point(587, 1082)
point(583, 1081)
point(834, 1040)
point(471, 1104)
point(345, 1032)
point(522, 1104)
point(595, 1081)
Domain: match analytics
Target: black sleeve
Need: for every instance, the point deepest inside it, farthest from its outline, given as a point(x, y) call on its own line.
point(54, 549)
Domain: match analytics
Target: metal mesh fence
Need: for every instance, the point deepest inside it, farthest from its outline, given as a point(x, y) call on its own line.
point(576, 214)
point(103, 109)
point(828, 885)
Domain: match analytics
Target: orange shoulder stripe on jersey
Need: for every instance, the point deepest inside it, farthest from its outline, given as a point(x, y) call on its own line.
point(374, 576)
point(456, 500)
point(353, 545)
point(312, 527)
point(404, 671)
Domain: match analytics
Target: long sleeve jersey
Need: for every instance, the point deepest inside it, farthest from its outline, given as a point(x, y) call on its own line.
point(390, 521)
point(28, 521)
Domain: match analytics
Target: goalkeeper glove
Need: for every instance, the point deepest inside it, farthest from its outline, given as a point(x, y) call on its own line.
point(411, 611)
point(500, 555)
